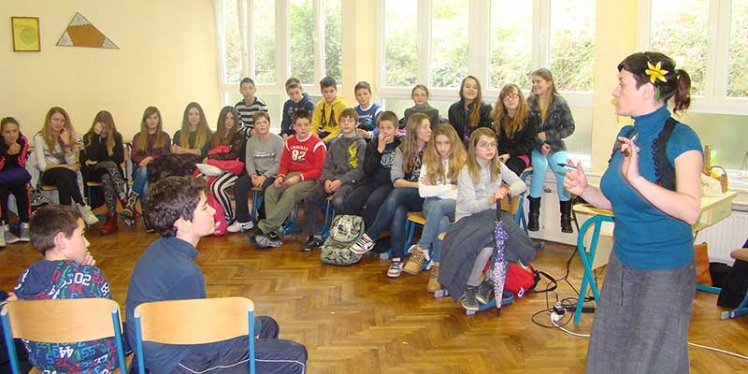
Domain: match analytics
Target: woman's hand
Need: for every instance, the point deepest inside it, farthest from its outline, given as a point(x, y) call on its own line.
point(65, 136)
point(73, 167)
point(504, 158)
point(499, 194)
point(630, 164)
point(145, 161)
point(14, 149)
point(545, 149)
point(575, 180)
point(90, 162)
point(541, 136)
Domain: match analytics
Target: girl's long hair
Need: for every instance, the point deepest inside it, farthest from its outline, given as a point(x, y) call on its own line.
point(474, 117)
point(409, 146)
point(472, 162)
point(143, 134)
point(223, 136)
point(107, 121)
point(432, 160)
point(202, 132)
point(51, 139)
point(500, 114)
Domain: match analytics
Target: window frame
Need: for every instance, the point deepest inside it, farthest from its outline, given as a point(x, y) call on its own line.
point(479, 18)
point(715, 99)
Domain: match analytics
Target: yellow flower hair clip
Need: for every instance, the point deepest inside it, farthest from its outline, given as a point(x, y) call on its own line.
point(656, 72)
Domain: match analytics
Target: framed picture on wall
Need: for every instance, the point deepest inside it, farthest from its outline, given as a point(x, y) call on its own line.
point(25, 34)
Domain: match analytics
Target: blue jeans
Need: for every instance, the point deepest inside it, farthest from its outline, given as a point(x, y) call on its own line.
point(394, 212)
point(439, 214)
point(540, 167)
point(140, 183)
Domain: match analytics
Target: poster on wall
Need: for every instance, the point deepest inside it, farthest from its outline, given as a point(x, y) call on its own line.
point(25, 34)
point(82, 33)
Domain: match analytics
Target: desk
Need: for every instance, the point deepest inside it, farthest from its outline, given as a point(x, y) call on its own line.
point(713, 210)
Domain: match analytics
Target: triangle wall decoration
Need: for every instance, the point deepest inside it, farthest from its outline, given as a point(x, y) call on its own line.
point(82, 33)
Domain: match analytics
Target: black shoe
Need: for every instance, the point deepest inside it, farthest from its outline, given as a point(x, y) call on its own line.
point(273, 236)
point(269, 240)
point(469, 301)
point(312, 243)
point(252, 233)
point(565, 208)
point(483, 295)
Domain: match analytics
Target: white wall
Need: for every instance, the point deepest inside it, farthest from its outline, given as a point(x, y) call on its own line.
point(167, 58)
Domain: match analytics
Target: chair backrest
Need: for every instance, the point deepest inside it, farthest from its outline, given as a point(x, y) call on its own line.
point(194, 321)
point(62, 321)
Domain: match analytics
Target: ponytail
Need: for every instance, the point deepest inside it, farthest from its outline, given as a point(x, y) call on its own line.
point(682, 95)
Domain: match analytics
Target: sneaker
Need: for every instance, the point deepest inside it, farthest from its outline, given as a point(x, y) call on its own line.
point(240, 226)
point(396, 268)
point(271, 240)
point(2, 239)
point(434, 284)
point(483, 294)
point(312, 243)
point(363, 245)
point(25, 232)
point(252, 234)
point(37, 199)
point(10, 238)
point(87, 214)
point(415, 262)
point(469, 301)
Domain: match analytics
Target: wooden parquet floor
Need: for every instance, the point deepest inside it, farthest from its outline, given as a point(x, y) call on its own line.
point(356, 320)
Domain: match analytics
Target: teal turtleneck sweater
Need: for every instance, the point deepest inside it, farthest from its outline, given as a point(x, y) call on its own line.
point(645, 237)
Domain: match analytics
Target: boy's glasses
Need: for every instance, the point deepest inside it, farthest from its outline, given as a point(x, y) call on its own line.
point(511, 96)
point(488, 145)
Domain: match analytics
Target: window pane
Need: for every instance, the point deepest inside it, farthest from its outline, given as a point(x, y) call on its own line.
point(511, 42)
point(679, 30)
point(400, 33)
point(333, 41)
point(449, 58)
point(737, 81)
point(264, 29)
point(233, 42)
point(302, 43)
point(573, 44)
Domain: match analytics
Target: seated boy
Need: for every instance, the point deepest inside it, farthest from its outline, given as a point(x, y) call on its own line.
point(376, 183)
point(66, 272)
point(327, 111)
point(297, 99)
point(178, 210)
point(368, 111)
point(249, 104)
point(343, 170)
point(301, 165)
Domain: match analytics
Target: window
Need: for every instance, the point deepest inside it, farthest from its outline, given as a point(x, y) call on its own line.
point(737, 80)
point(301, 23)
point(400, 37)
point(449, 55)
point(333, 40)
point(233, 42)
point(511, 43)
point(264, 21)
point(572, 44)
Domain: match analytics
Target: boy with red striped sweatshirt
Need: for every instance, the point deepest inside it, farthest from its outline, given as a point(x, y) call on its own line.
point(301, 165)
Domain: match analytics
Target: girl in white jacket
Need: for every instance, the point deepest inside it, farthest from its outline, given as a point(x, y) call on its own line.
point(442, 160)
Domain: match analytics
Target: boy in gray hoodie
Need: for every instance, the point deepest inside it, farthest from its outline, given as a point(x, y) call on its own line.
point(343, 170)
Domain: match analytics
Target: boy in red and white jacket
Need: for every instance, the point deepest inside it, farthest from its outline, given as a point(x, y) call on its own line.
point(301, 165)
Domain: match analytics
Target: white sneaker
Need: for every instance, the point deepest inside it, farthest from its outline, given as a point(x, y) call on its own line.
point(240, 226)
point(2, 238)
point(10, 238)
point(87, 214)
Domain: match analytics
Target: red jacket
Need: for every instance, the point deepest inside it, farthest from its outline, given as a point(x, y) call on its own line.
point(307, 157)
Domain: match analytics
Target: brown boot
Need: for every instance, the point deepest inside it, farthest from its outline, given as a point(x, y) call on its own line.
point(415, 262)
point(111, 224)
point(434, 284)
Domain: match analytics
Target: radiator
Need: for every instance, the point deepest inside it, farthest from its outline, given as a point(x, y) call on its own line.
point(725, 236)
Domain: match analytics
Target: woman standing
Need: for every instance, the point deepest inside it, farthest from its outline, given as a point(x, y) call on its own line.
point(645, 304)
point(556, 124)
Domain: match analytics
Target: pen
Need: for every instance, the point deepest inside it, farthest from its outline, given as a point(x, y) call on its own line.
point(620, 143)
point(570, 166)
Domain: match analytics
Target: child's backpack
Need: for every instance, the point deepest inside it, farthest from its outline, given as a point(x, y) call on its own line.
point(520, 281)
point(344, 232)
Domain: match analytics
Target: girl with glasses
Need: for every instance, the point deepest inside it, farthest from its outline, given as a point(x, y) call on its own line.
point(516, 128)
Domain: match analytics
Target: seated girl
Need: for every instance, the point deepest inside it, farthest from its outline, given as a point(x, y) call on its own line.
point(420, 96)
point(406, 168)
point(14, 178)
point(55, 150)
point(442, 161)
point(194, 136)
point(516, 127)
point(469, 243)
point(103, 154)
point(149, 143)
point(470, 112)
point(227, 142)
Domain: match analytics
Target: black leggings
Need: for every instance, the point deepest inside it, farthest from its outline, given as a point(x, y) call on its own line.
point(66, 182)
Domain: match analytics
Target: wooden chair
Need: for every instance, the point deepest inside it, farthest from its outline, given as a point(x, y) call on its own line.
point(62, 321)
point(176, 321)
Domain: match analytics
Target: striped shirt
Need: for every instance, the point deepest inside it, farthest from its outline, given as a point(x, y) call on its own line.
point(247, 112)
